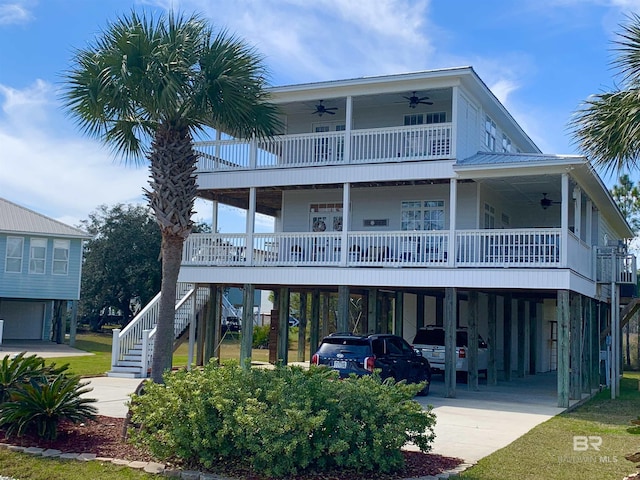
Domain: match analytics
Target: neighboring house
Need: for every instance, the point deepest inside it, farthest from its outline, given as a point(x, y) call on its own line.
point(40, 266)
point(419, 197)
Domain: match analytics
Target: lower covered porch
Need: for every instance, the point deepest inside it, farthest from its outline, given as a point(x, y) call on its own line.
point(529, 333)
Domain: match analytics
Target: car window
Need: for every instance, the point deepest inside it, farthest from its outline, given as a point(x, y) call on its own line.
point(378, 346)
point(430, 337)
point(332, 346)
point(393, 347)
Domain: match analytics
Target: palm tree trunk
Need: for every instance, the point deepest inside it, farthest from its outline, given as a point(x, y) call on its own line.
point(163, 345)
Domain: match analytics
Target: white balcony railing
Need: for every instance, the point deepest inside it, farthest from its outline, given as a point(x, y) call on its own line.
point(470, 248)
point(419, 142)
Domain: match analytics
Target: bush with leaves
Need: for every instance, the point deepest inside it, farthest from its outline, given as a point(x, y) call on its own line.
point(37, 396)
point(281, 421)
point(261, 336)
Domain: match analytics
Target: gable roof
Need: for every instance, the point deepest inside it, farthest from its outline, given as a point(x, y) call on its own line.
point(20, 220)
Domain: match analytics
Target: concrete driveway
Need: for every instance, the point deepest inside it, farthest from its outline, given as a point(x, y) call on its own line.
point(477, 423)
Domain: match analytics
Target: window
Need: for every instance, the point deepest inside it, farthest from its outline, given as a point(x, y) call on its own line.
point(422, 215)
point(37, 255)
point(61, 257)
point(415, 119)
point(506, 144)
point(13, 262)
point(490, 133)
point(422, 118)
point(325, 217)
point(505, 220)
point(437, 117)
point(489, 216)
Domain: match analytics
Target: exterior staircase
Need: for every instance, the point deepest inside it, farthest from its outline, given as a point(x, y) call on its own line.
point(132, 347)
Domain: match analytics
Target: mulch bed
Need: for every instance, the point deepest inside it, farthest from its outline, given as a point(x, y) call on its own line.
point(104, 437)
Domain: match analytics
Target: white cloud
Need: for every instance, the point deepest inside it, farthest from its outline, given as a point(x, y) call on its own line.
point(46, 164)
point(14, 13)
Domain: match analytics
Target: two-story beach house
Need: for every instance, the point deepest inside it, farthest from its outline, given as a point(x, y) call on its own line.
point(418, 198)
point(40, 269)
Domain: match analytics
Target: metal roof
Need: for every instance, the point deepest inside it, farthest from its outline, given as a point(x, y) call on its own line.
point(493, 158)
point(20, 220)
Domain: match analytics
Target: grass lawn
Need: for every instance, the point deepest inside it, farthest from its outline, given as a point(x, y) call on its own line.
point(100, 345)
point(547, 452)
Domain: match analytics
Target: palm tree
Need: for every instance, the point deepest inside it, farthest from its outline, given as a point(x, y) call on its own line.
point(607, 125)
point(146, 86)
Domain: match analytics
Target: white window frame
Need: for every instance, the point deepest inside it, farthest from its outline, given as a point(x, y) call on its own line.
point(490, 131)
point(489, 216)
point(60, 257)
point(37, 256)
point(507, 147)
point(11, 256)
point(422, 215)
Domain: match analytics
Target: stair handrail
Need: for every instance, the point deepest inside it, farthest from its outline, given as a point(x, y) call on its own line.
point(150, 338)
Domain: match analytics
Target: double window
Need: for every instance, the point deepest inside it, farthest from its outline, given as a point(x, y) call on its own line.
point(422, 215)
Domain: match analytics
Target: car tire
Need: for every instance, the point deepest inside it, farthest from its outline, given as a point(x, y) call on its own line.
point(425, 391)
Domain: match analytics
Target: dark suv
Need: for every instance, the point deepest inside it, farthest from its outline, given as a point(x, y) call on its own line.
point(360, 355)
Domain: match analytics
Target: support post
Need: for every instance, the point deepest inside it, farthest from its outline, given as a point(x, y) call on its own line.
point(450, 314)
point(594, 341)
point(217, 323)
point(398, 320)
point(192, 328)
point(342, 322)
point(562, 317)
point(115, 346)
point(283, 326)
point(73, 327)
point(372, 313)
point(507, 330)
point(246, 344)
point(521, 338)
point(420, 310)
point(302, 327)
point(314, 334)
point(492, 367)
point(472, 354)
point(533, 337)
point(575, 376)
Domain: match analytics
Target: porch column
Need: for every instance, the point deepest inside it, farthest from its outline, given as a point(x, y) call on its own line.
point(253, 152)
point(342, 322)
point(372, 311)
point(577, 215)
point(472, 354)
point(214, 216)
point(450, 314)
point(507, 334)
point(564, 220)
point(73, 326)
point(314, 333)
point(575, 376)
point(346, 221)
point(201, 330)
point(251, 222)
point(248, 295)
point(492, 368)
point(398, 320)
point(562, 317)
point(455, 119)
point(283, 326)
point(302, 327)
point(585, 346)
point(347, 131)
point(453, 201)
point(521, 336)
point(533, 337)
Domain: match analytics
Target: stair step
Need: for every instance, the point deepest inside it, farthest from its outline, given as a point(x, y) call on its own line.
point(123, 375)
point(132, 358)
point(130, 363)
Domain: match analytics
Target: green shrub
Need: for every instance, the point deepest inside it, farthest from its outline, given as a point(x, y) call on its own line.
point(37, 396)
point(20, 370)
point(261, 336)
point(281, 421)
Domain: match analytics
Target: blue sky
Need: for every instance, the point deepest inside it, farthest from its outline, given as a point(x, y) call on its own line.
point(540, 57)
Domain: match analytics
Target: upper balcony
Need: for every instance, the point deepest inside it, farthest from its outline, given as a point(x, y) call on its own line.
point(374, 145)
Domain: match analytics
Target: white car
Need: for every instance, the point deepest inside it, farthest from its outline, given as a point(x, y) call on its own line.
point(429, 342)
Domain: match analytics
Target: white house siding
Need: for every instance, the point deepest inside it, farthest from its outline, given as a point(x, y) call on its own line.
point(468, 127)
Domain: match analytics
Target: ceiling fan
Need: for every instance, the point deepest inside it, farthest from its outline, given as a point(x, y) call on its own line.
point(414, 100)
point(547, 202)
point(321, 109)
